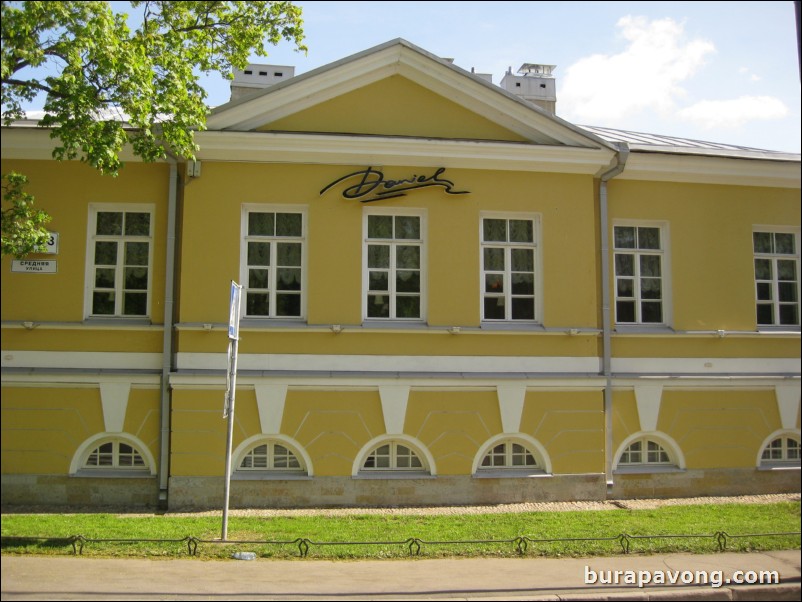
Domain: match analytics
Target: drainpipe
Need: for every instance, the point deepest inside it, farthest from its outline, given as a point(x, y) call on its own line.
point(616, 167)
point(167, 347)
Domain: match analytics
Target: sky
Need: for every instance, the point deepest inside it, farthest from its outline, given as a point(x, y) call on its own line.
point(716, 71)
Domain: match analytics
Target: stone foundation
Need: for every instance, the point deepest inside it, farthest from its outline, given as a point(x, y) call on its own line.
point(700, 483)
point(54, 490)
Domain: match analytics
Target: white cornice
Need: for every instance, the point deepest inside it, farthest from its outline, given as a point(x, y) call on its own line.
point(273, 147)
point(697, 169)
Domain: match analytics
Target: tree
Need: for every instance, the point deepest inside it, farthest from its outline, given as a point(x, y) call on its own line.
point(109, 85)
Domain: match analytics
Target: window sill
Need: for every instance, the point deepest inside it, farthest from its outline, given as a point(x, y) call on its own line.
point(771, 467)
point(513, 325)
point(650, 329)
point(269, 475)
point(646, 469)
point(381, 475)
point(511, 474)
point(113, 474)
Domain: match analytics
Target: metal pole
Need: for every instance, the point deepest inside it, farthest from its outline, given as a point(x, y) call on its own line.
point(232, 379)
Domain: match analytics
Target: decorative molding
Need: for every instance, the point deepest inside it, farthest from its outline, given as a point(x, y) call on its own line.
point(788, 404)
point(270, 400)
point(511, 406)
point(648, 398)
point(114, 397)
point(394, 399)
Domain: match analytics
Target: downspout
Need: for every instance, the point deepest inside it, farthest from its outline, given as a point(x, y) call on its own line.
point(167, 346)
point(616, 167)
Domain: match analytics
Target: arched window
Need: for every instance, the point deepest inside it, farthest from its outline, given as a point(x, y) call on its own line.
point(392, 456)
point(646, 453)
point(113, 455)
point(518, 455)
point(260, 457)
point(780, 452)
point(398, 456)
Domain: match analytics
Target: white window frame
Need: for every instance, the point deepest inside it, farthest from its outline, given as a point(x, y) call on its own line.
point(676, 461)
point(665, 273)
point(507, 246)
point(774, 282)
point(393, 472)
point(393, 243)
point(79, 468)
point(532, 446)
point(784, 462)
point(249, 444)
point(248, 208)
point(119, 284)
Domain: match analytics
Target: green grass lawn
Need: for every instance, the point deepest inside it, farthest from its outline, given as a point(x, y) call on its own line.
point(387, 536)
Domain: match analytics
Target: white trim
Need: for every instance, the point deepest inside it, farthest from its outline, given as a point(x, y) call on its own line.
point(529, 442)
point(647, 398)
point(421, 242)
point(788, 396)
point(77, 463)
point(82, 360)
point(243, 260)
point(667, 443)
point(705, 365)
point(270, 400)
point(511, 406)
point(284, 440)
point(414, 444)
point(114, 399)
point(394, 400)
point(119, 287)
point(391, 363)
point(792, 433)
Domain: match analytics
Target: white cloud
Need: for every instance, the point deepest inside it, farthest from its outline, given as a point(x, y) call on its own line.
point(646, 75)
point(711, 114)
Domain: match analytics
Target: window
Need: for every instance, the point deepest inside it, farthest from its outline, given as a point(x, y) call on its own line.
point(393, 456)
point(393, 266)
point(273, 260)
point(271, 456)
point(119, 268)
point(508, 269)
point(509, 455)
point(639, 274)
point(776, 278)
point(782, 451)
point(115, 455)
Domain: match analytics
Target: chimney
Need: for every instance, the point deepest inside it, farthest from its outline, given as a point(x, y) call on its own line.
point(258, 77)
point(535, 83)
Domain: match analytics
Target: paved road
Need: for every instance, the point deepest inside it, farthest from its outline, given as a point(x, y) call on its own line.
point(76, 578)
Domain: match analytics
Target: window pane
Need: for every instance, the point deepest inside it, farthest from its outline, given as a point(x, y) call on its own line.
point(136, 253)
point(624, 265)
point(380, 226)
point(764, 291)
point(289, 254)
point(648, 238)
point(789, 315)
point(787, 291)
point(105, 253)
point(494, 230)
point(521, 231)
point(288, 305)
point(624, 237)
point(137, 224)
point(407, 227)
point(103, 303)
point(378, 306)
point(763, 269)
point(408, 307)
point(522, 260)
point(523, 308)
point(136, 279)
point(784, 244)
point(494, 283)
point(257, 304)
point(651, 288)
point(104, 277)
point(288, 279)
point(258, 278)
point(763, 242)
point(652, 312)
point(523, 284)
point(289, 224)
point(407, 257)
point(765, 314)
point(786, 270)
point(135, 304)
point(109, 224)
point(494, 260)
point(378, 281)
point(650, 265)
point(494, 308)
point(407, 282)
point(625, 287)
point(258, 253)
point(378, 256)
point(261, 224)
point(625, 311)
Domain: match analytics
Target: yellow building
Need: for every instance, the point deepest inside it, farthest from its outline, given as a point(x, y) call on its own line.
point(450, 295)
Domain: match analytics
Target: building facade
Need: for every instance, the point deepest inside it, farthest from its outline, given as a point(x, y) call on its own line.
point(450, 295)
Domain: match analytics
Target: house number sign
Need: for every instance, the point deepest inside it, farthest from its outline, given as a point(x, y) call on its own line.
point(369, 185)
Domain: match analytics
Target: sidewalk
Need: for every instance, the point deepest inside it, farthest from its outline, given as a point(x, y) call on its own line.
point(76, 578)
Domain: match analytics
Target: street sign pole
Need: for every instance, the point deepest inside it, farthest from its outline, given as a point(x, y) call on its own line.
point(231, 389)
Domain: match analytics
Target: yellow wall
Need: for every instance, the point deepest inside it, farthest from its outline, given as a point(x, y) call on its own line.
point(394, 106)
point(42, 428)
point(65, 191)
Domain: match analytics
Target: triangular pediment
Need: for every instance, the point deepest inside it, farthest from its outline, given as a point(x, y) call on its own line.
point(398, 89)
point(394, 106)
